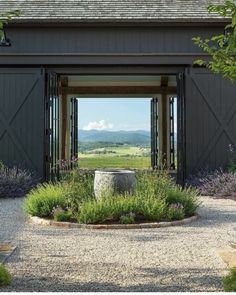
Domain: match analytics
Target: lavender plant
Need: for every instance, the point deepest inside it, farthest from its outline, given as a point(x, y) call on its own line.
point(219, 183)
point(15, 182)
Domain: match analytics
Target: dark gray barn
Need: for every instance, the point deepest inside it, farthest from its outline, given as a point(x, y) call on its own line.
point(63, 49)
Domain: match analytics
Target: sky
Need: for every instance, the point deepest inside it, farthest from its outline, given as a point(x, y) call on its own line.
point(114, 114)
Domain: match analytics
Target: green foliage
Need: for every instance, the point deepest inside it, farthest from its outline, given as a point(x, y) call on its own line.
point(6, 17)
point(156, 198)
point(94, 212)
point(175, 213)
point(128, 218)
point(78, 188)
point(221, 48)
point(186, 197)
point(113, 207)
point(153, 184)
point(60, 214)
point(232, 167)
point(106, 161)
point(43, 199)
point(153, 209)
point(230, 281)
point(5, 277)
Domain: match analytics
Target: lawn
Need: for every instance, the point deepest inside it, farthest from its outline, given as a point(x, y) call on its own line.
point(104, 161)
point(116, 157)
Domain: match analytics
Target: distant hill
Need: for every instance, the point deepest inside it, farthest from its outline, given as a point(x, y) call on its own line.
point(129, 137)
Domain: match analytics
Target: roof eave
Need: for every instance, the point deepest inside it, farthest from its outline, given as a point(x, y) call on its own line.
point(119, 21)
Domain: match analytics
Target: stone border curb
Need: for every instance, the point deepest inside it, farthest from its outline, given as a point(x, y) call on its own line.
point(47, 222)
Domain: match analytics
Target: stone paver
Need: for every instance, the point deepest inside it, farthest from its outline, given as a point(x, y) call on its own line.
point(5, 251)
point(181, 258)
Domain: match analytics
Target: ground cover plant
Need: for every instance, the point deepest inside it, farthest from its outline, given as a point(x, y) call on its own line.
point(156, 198)
point(15, 182)
point(5, 277)
point(42, 200)
point(230, 281)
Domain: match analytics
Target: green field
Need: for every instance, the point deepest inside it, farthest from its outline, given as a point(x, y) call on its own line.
point(116, 157)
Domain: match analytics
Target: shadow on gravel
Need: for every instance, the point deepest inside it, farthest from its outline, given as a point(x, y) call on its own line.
point(171, 280)
point(214, 217)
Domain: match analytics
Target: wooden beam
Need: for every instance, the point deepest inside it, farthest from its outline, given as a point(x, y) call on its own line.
point(164, 81)
point(64, 84)
point(117, 90)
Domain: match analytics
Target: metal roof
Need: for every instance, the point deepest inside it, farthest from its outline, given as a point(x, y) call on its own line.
point(111, 10)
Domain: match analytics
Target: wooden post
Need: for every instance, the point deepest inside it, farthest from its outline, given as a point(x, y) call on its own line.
point(164, 123)
point(64, 84)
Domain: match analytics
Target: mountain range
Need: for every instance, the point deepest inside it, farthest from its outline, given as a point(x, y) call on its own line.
point(128, 137)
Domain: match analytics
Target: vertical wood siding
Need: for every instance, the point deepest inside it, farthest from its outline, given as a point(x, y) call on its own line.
point(106, 39)
point(210, 120)
point(22, 118)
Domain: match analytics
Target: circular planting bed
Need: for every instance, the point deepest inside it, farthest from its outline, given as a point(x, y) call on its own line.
point(48, 222)
point(112, 199)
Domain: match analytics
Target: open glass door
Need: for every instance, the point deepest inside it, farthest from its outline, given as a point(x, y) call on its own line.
point(154, 133)
point(52, 127)
point(74, 104)
point(181, 169)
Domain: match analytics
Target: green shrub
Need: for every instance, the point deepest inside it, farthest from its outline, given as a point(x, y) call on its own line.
point(5, 277)
point(154, 184)
point(155, 199)
point(94, 212)
point(230, 281)
point(175, 212)
point(113, 207)
point(186, 197)
point(43, 199)
point(153, 209)
point(60, 214)
point(78, 189)
point(128, 218)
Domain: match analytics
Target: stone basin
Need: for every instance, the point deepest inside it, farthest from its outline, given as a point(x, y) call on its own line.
point(115, 181)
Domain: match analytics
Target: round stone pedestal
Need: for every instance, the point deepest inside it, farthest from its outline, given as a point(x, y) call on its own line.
point(115, 181)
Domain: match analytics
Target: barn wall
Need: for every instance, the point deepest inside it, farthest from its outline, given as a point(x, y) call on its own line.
point(22, 118)
point(139, 48)
point(210, 120)
point(105, 39)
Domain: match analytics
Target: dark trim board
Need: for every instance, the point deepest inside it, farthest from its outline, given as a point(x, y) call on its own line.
point(120, 23)
point(117, 90)
point(99, 59)
point(116, 70)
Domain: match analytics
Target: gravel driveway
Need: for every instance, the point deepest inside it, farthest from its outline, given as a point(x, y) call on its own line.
point(182, 258)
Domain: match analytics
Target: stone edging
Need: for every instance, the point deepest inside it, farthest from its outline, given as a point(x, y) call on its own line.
point(47, 222)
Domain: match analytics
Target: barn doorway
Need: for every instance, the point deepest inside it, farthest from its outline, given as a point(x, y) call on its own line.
point(66, 91)
point(114, 133)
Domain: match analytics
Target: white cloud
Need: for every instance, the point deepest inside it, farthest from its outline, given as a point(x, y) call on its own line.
point(98, 125)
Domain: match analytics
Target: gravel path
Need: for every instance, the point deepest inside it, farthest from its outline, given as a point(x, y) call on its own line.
point(182, 258)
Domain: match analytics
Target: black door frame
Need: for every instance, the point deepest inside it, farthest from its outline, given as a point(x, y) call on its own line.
point(52, 126)
point(127, 70)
